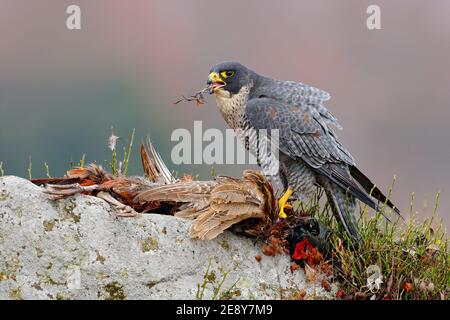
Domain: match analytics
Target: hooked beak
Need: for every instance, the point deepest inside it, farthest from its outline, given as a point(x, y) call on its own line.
point(214, 82)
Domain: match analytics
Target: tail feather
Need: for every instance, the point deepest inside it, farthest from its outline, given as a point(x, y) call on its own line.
point(361, 188)
point(343, 205)
point(154, 167)
point(341, 177)
point(371, 188)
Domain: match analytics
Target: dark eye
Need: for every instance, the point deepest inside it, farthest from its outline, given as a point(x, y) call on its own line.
point(313, 227)
point(227, 74)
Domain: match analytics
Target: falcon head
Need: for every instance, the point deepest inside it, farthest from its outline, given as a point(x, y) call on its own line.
point(229, 77)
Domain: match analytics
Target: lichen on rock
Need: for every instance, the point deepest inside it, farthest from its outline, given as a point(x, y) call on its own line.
point(78, 248)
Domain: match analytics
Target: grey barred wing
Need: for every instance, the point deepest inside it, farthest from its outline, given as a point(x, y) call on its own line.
point(302, 132)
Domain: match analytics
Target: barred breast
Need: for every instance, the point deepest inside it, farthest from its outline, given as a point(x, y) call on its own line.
point(300, 175)
point(256, 142)
point(232, 107)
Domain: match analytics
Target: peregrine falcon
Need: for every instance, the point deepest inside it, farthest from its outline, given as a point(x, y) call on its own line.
point(310, 154)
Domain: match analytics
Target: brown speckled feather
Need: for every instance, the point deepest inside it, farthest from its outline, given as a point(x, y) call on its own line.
point(217, 205)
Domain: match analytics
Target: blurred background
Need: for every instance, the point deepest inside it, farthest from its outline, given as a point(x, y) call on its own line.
point(61, 90)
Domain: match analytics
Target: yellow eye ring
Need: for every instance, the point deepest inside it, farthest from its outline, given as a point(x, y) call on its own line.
point(227, 74)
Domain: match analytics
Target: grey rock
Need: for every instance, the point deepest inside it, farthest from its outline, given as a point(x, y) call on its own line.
point(78, 249)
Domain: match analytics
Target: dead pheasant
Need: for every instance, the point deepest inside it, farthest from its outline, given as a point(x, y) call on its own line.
point(248, 204)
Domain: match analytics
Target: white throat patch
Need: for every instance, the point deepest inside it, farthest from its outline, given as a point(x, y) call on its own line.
point(232, 107)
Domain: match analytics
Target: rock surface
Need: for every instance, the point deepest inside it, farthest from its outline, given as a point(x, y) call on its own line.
point(78, 249)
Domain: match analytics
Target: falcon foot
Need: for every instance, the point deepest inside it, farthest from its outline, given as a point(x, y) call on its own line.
point(282, 203)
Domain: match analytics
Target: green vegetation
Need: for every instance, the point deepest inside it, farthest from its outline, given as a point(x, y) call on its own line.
point(30, 169)
point(396, 260)
point(47, 170)
point(218, 293)
point(80, 163)
point(120, 167)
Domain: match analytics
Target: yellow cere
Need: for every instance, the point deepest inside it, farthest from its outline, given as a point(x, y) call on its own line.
point(214, 76)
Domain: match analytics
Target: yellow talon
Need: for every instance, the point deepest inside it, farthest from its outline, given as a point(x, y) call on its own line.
point(282, 203)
